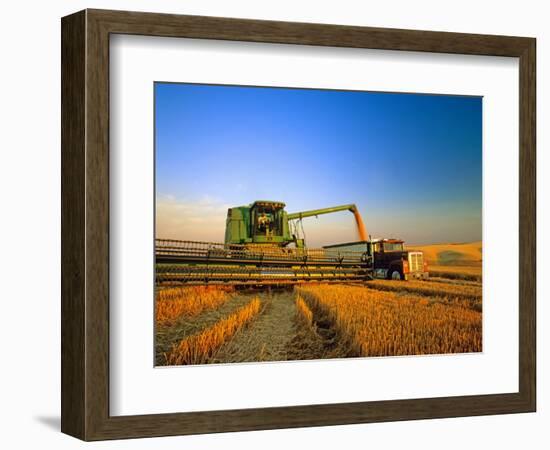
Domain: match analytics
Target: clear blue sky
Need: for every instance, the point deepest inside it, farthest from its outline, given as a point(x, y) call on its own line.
point(411, 162)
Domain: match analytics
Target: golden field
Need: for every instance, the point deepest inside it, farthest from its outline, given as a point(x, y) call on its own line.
point(303, 311)
point(191, 301)
point(464, 272)
point(469, 295)
point(203, 325)
point(376, 323)
point(197, 348)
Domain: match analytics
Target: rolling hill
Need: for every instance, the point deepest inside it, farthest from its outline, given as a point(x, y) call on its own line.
point(451, 254)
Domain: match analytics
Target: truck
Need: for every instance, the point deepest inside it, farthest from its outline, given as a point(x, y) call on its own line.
point(388, 258)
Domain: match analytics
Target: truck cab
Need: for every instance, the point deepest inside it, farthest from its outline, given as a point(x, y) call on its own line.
point(393, 262)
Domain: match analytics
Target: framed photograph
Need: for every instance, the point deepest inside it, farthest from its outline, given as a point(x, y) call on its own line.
point(273, 225)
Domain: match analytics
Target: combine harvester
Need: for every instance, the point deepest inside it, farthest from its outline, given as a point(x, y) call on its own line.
point(265, 245)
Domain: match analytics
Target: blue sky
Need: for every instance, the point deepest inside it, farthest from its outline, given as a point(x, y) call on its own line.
point(411, 162)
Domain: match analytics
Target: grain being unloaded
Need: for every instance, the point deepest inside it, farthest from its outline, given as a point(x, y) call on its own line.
point(363, 236)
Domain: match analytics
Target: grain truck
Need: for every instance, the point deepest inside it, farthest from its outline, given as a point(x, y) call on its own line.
point(388, 258)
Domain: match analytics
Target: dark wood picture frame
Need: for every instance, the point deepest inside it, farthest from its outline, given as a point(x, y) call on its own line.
point(85, 224)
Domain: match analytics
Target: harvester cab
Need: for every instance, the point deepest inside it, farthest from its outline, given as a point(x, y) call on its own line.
point(262, 222)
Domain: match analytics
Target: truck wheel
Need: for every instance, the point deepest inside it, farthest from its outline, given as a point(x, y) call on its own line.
point(396, 275)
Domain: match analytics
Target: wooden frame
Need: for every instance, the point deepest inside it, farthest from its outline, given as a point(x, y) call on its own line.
point(85, 224)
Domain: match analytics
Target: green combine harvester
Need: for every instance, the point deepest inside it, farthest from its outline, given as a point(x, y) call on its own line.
point(263, 245)
point(267, 223)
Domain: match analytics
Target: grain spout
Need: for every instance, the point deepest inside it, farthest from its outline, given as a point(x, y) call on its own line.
point(360, 225)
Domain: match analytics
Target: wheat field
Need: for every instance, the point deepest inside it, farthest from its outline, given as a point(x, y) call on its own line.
point(216, 324)
point(197, 348)
point(190, 301)
point(376, 323)
point(469, 295)
point(303, 312)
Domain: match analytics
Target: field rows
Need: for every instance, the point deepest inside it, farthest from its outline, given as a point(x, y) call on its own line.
point(468, 273)
point(376, 323)
point(197, 348)
point(169, 333)
point(429, 288)
point(468, 295)
point(175, 302)
point(199, 325)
